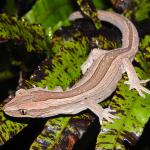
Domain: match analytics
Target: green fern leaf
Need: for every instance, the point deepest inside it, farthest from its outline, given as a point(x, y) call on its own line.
point(33, 36)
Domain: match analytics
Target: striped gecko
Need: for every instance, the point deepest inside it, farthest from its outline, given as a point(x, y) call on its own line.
point(101, 72)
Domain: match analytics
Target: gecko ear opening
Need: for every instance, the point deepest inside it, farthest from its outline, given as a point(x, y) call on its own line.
point(20, 92)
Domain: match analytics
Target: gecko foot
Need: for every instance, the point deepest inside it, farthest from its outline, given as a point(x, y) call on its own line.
point(106, 114)
point(137, 85)
point(100, 111)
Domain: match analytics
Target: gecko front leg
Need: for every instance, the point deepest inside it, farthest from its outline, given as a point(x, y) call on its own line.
point(134, 81)
point(99, 111)
point(94, 54)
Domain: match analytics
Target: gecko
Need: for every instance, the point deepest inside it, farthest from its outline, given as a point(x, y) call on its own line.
point(101, 72)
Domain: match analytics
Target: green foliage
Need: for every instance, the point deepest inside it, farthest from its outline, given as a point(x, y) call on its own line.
point(57, 13)
point(143, 56)
point(19, 30)
point(50, 14)
point(142, 9)
point(99, 4)
point(145, 47)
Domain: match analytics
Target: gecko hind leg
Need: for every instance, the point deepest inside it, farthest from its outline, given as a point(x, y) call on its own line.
point(99, 111)
point(134, 81)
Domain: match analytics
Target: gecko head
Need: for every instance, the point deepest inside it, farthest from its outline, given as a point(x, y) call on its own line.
point(23, 105)
point(17, 106)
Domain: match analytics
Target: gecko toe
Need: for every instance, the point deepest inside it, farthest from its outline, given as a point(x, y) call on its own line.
point(144, 81)
point(108, 116)
point(136, 84)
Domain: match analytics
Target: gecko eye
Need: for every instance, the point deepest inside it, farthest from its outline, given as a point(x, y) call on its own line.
point(23, 111)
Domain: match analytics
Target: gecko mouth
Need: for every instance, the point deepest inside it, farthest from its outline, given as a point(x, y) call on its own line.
point(11, 113)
